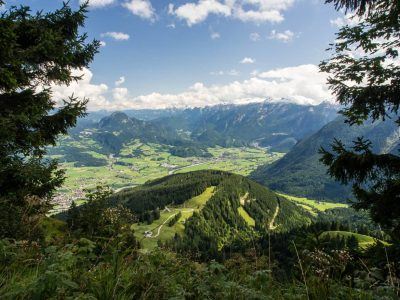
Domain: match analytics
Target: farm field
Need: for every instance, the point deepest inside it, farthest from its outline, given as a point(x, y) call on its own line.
point(139, 162)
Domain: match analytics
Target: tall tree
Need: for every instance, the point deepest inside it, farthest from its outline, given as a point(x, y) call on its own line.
point(365, 78)
point(36, 50)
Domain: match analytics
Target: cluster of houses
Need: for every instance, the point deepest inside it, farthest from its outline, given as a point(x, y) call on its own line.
point(63, 201)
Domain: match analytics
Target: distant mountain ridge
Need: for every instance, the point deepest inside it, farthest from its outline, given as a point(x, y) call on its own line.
point(276, 125)
point(301, 173)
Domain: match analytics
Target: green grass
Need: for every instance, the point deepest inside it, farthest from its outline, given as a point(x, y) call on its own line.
point(249, 220)
point(53, 229)
point(313, 206)
point(166, 233)
point(364, 241)
point(199, 201)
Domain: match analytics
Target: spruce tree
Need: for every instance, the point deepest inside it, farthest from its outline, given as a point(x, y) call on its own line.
point(36, 50)
point(365, 78)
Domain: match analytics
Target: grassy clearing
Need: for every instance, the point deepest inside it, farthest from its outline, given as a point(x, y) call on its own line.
point(160, 229)
point(313, 205)
point(201, 200)
point(249, 220)
point(364, 241)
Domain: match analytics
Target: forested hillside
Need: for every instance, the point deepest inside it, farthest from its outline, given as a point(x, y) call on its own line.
point(300, 171)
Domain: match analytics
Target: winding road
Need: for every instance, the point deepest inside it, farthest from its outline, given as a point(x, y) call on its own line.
point(171, 216)
point(159, 227)
point(175, 170)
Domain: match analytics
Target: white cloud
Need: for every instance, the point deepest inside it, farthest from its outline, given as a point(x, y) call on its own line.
point(247, 60)
point(98, 3)
point(348, 19)
point(257, 11)
point(302, 84)
point(285, 36)
point(118, 36)
point(119, 94)
point(213, 34)
point(194, 13)
point(172, 25)
point(255, 37)
point(120, 81)
point(103, 44)
point(232, 72)
point(141, 8)
point(259, 16)
point(171, 9)
point(83, 89)
point(255, 73)
point(218, 73)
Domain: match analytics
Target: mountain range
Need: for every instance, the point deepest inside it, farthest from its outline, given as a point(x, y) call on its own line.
point(301, 173)
point(278, 126)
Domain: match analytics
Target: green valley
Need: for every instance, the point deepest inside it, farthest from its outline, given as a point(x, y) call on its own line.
point(139, 162)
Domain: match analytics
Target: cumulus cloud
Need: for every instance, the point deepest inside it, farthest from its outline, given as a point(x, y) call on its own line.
point(97, 3)
point(119, 94)
point(194, 13)
point(120, 81)
point(247, 60)
point(118, 36)
point(254, 36)
point(96, 93)
point(103, 44)
point(285, 36)
point(141, 8)
point(302, 84)
point(256, 11)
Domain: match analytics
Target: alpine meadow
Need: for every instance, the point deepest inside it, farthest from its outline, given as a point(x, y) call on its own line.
point(200, 149)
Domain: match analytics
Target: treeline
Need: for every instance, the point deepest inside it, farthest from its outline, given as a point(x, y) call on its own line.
point(172, 190)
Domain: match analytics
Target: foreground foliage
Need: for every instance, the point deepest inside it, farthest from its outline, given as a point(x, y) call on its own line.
point(83, 269)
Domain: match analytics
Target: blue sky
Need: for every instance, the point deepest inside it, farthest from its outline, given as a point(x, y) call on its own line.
point(203, 52)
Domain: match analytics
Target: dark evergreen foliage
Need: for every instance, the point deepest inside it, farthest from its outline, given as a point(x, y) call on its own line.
point(36, 50)
point(368, 85)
